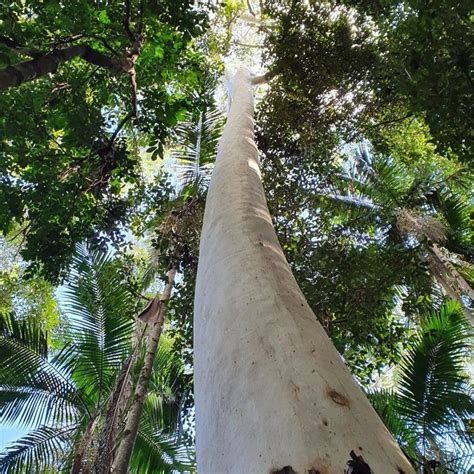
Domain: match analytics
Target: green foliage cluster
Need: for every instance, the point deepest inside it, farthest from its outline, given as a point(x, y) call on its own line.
point(338, 207)
point(427, 59)
point(66, 168)
point(30, 298)
point(431, 404)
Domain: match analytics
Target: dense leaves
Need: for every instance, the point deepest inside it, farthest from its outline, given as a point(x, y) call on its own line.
point(365, 140)
point(64, 160)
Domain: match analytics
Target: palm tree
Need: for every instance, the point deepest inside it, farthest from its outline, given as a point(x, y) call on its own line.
point(65, 397)
point(430, 405)
point(425, 206)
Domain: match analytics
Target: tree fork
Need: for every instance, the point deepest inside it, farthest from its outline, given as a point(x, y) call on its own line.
point(272, 393)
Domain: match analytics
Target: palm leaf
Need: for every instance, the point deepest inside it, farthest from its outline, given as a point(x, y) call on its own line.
point(159, 453)
point(431, 403)
point(381, 179)
point(196, 143)
point(163, 403)
point(385, 403)
point(38, 451)
point(34, 387)
point(100, 308)
point(432, 386)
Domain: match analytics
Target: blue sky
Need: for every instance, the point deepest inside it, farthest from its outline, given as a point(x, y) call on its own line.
point(9, 433)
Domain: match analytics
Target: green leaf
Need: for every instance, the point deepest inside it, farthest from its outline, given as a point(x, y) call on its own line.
point(103, 17)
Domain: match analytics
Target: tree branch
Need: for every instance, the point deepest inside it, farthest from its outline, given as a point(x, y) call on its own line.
point(385, 122)
point(121, 124)
point(49, 62)
point(18, 48)
point(264, 78)
point(249, 6)
point(246, 45)
point(126, 21)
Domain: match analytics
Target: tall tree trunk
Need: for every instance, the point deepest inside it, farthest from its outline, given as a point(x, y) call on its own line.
point(47, 63)
point(272, 393)
point(158, 310)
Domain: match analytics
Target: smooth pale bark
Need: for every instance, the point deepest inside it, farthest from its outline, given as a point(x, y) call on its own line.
point(47, 63)
point(271, 390)
point(157, 310)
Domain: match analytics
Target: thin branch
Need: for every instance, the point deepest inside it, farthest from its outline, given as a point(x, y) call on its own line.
point(24, 229)
point(140, 20)
point(250, 19)
point(380, 124)
point(385, 122)
point(71, 39)
point(119, 127)
point(249, 6)
point(133, 82)
point(264, 78)
point(126, 21)
point(246, 45)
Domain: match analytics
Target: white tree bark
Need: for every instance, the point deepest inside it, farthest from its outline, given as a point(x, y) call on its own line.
point(271, 390)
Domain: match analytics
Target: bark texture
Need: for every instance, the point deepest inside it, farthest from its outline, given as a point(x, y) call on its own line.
point(271, 391)
point(452, 282)
point(49, 62)
point(157, 309)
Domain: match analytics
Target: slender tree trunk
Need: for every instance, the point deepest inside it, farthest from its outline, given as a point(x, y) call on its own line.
point(84, 444)
point(116, 410)
point(452, 282)
point(158, 308)
point(49, 62)
point(271, 391)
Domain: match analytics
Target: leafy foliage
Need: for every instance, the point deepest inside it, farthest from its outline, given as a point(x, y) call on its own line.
point(68, 149)
point(428, 64)
point(32, 297)
point(429, 409)
point(63, 395)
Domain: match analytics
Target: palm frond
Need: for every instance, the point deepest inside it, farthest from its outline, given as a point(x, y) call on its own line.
point(457, 212)
point(34, 387)
point(385, 403)
point(428, 409)
point(163, 403)
point(100, 308)
point(196, 143)
point(431, 386)
point(38, 451)
point(381, 179)
point(159, 453)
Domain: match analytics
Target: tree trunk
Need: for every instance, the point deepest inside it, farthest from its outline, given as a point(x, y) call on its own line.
point(84, 444)
point(116, 410)
point(452, 282)
point(272, 393)
point(158, 309)
point(49, 62)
